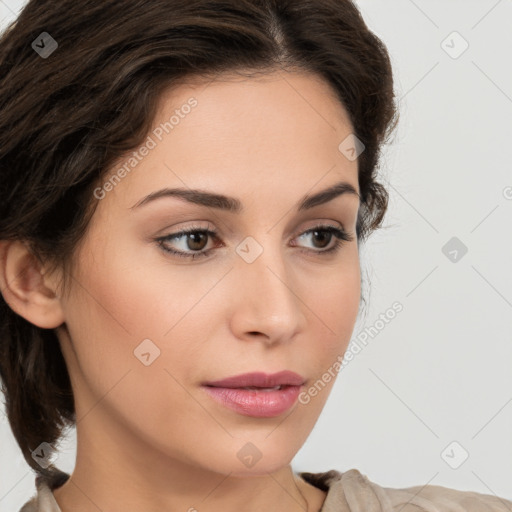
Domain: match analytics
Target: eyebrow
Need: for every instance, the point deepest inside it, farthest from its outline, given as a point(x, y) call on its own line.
point(233, 205)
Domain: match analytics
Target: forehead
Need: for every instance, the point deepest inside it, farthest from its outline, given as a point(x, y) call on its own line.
point(266, 98)
point(234, 134)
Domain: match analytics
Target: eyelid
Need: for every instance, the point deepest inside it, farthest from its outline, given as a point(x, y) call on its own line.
point(210, 227)
point(214, 231)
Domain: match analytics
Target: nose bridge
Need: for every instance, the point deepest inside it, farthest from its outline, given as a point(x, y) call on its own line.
point(267, 302)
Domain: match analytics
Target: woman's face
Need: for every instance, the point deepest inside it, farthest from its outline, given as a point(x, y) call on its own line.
point(146, 329)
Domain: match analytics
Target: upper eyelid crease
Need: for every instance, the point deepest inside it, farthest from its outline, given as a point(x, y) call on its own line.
point(234, 205)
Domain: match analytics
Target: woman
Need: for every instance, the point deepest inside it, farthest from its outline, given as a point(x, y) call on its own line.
point(185, 186)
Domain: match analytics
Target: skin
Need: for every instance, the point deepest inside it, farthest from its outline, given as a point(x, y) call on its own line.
point(148, 437)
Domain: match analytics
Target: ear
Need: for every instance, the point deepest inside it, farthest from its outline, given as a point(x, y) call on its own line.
point(26, 288)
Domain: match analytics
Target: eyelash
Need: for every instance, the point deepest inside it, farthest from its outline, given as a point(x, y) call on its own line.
point(341, 235)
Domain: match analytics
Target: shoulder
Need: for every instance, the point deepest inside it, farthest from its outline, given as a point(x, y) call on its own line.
point(43, 500)
point(30, 506)
point(352, 491)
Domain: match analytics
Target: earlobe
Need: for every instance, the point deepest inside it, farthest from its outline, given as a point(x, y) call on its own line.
point(25, 288)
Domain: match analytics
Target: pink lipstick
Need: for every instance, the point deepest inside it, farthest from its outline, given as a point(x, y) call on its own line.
point(257, 394)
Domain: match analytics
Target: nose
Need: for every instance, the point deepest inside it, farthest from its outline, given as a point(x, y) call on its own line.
point(266, 304)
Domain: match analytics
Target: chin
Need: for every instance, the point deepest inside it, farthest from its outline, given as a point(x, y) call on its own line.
point(269, 460)
point(244, 460)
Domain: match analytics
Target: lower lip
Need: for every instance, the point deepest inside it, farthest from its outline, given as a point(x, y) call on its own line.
point(259, 404)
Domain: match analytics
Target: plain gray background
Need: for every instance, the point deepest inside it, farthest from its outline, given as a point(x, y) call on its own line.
point(428, 399)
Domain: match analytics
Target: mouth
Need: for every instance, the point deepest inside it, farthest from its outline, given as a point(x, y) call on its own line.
point(260, 380)
point(275, 388)
point(259, 395)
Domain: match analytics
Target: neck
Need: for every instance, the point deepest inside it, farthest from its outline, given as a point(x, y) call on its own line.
point(114, 472)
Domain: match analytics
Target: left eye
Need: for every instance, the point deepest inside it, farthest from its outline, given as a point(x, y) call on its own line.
point(196, 239)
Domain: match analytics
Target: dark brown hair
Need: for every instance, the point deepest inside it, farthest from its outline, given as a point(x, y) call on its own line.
point(65, 119)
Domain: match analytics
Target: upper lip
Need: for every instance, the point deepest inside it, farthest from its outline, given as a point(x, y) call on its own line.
point(260, 380)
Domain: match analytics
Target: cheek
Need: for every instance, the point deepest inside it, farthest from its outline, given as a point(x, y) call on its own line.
point(107, 318)
point(334, 296)
point(333, 299)
point(112, 327)
point(333, 319)
point(123, 300)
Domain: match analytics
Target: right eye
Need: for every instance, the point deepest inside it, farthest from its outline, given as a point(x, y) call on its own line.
point(193, 239)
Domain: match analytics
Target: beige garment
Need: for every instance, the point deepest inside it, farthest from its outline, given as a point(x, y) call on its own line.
point(349, 491)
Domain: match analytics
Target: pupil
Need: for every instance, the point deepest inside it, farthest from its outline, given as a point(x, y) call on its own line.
point(323, 235)
point(194, 237)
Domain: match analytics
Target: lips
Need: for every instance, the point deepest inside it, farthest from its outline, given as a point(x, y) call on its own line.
point(258, 394)
point(259, 380)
